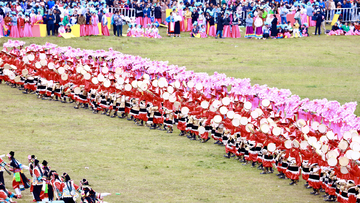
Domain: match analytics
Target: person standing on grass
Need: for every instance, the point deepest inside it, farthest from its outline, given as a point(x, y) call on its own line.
point(274, 27)
point(82, 21)
point(319, 18)
point(57, 19)
point(50, 24)
point(249, 33)
point(220, 26)
point(104, 27)
point(118, 23)
point(113, 23)
point(177, 27)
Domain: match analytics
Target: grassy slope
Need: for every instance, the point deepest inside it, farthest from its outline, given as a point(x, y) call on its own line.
point(142, 165)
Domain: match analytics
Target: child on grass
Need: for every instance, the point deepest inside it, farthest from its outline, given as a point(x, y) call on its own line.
point(266, 31)
point(61, 29)
point(202, 31)
point(296, 31)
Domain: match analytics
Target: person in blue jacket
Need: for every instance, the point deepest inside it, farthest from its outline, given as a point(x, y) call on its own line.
point(50, 24)
point(171, 24)
point(146, 12)
point(113, 24)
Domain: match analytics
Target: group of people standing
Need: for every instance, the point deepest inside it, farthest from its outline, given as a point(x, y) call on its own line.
point(45, 184)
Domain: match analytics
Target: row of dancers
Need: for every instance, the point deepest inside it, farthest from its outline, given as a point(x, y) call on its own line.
point(291, 163)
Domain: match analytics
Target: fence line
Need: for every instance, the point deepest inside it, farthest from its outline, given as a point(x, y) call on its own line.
point(128, 12)
point(346, 14)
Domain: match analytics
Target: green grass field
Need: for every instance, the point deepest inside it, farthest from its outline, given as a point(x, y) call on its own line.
point(153, 166)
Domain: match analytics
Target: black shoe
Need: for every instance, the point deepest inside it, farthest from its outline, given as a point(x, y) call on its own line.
point(306, 184)
point(308, 187)
point(76, 107)
point(226, 156)
point(329, 200)
point(263, 172)
point(206, 140)
point(279, 174)
point(25, 92)
point(217, 142)
point(282, 177)
point(292, 183)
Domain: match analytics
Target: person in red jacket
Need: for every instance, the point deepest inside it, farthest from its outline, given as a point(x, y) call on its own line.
point(21, 24)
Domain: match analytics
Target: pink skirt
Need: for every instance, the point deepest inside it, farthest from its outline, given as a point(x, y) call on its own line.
point(95, 29)
point(203, 35)
point(88, 30)
point(182, 25)
point(105, 30)
point(139, 20)
point(227, 32)
point(14, 32)
point(21, 32)
point(212, 31)
point(350, 33)
point(82, 30)
point(189, 25)
point(304, 18)
point(235, 31)
point(27, 30)
point(147, 20)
